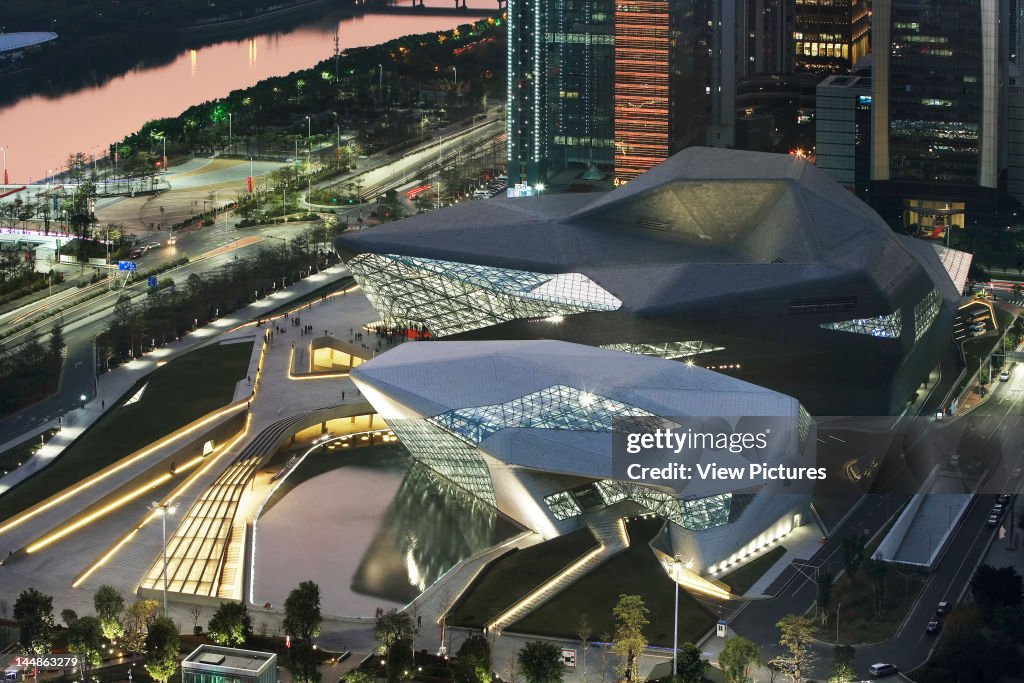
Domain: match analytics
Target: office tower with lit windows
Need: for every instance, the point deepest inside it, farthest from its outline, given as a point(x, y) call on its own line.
point(939, 109)
point(642, 76)
point(829, 36)
point(843, 131)
point(560, 85)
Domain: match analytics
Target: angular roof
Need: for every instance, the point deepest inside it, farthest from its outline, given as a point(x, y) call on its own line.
point(718, 220)
point(446, 380)
point(436, 377)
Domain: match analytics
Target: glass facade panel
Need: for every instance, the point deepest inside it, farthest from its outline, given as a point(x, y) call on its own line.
point(935, 57)
point(925, 313)
point(448, 455)
point(889, 325)
point(557, 407)
point(669, 349)
point(698, 514)
point(446, 298)
point(563, 505)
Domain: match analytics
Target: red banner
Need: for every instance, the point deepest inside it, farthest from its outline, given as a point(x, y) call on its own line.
point(248, 182)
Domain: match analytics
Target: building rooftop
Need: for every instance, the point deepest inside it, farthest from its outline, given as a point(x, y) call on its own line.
point(241, 662)
point(19, 41)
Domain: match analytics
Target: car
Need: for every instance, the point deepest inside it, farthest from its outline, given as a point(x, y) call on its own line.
point(882, 669)
point(993, 520)
point(1003, 499)
point(998, 509)
point(1016, 473)
point(934, 626)
point(1004, 375)
point(136, 253)
point(944, 607)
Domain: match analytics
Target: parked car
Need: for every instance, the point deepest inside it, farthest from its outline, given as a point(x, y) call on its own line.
point(998, 509)
point(993, 520)
point(1003, 499)
point(934, 626)
point(881, 669)
point(1004, 375)
point(944, 607)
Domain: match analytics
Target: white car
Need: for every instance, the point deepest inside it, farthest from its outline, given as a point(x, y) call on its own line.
point(1004, 375)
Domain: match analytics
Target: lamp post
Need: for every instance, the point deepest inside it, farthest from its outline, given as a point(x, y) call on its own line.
point(163, 510)
point(380, 79)
point(675, 621)
point(838, 607)
point(456, 99)
point(231, 138)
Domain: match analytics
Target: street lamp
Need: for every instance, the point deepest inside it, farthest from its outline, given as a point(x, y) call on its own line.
point(82, 400)
point(309, 127)
point(163, 510)
point(675, 622)
point(231, 138)
point(457, 97)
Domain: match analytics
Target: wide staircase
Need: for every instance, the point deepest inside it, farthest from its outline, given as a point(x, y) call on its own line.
point(609, 530)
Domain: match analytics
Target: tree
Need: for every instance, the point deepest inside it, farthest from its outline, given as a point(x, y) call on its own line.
point(139, 616)
point(34, 613)
point(690, 665)
point(738, 657)
point(68, 616)
point(473, 661)
point(630, 618)
point(358, 676)
point(109, 604)
point(391, 627)
point(230, 625)
point(994, 588)
point(399, 663)
point(302, 617)
point(583, 632)
point(795, 636)
point(853, 553)
point(824, 597)
point(303, 662)
point(541, 662)
point(56, 339)
point(877, 571)
point(162, 649)
point(196, 611)
point(85, 637)
point(842, 665)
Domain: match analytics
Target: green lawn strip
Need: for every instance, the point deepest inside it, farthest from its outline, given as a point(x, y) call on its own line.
point(740, 580)
point(515, 574)
point(314, 295)
point(635, 572)
point(857, 621)
point(183, 390)
point(15, 456)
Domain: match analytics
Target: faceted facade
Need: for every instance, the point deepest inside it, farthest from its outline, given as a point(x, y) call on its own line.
point(798, 287)
point(527, 426)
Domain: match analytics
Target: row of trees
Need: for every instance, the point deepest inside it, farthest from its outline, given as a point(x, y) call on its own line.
point(140, 629)
point(163, 317)
point(30, 371)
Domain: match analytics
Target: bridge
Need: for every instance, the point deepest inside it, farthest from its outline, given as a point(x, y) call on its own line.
point(420, 8)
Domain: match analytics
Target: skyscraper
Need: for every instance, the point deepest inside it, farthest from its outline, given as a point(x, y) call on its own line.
point(938, 109)
point(829, 36)
point(642, 70)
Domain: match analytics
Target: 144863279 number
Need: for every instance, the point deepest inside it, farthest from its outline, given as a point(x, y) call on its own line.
point(62, 661)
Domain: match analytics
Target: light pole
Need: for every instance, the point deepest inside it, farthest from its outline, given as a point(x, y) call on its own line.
point(380, 80)
point(231, 137)
point(456, 99)
point(309, 127)
point(4, 148)
point(675, 621)
point(163, 510)
point(838, 607)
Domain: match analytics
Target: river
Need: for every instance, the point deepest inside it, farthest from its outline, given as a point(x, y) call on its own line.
point(41, 130)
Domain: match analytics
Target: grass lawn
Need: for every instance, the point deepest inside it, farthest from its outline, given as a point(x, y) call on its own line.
point(740, 580)
point(515, 574)
point(16, 455)
point(181, 391)
point(857, 623)
point(635, 571)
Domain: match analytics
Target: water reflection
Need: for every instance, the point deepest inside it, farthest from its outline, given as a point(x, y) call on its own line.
point(429, 528)
point(77, 99)
point(370, 527)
